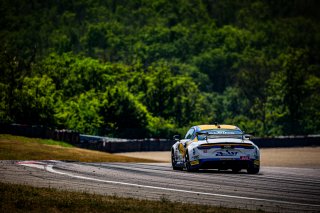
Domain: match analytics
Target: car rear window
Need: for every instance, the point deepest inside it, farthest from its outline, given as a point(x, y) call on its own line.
point(223, 132)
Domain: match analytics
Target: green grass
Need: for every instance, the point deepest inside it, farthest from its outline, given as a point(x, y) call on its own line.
point(36, 140)
point(21, 198)
point(23, 148)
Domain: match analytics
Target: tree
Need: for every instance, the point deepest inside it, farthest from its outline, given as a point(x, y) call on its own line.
point(123, 114)
point(36, 101)
point(81, 113)
point(151, 68)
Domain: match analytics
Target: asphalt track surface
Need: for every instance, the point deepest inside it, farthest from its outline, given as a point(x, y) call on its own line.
point(274, 189)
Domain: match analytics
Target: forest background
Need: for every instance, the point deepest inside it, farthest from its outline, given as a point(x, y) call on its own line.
point(153, 68)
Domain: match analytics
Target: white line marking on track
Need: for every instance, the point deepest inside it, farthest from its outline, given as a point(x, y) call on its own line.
point(49, 168)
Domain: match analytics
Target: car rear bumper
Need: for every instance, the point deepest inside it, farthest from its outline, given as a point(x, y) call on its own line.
point(225, 164)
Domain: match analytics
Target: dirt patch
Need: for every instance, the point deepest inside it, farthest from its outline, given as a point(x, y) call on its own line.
point(306, 157)
point(301, 157)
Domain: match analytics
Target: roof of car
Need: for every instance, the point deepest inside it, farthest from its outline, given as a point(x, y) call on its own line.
point(219, 126)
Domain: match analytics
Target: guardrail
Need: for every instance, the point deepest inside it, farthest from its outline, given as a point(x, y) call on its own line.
point(287, 141)
point(127, 145)
point(35, 131)
point(114, 145)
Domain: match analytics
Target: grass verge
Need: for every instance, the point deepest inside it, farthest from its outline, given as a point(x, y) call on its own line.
point(21, 198)
point(23, 148)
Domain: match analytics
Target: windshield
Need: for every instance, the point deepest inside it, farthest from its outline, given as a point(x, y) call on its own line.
point(220, 133)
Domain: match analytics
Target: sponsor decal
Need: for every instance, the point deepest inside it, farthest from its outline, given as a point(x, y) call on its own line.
point(195, 162)
point(244, 158)
point(256, 162)
point(224, 132)
point(226, 153)
point(181, 148)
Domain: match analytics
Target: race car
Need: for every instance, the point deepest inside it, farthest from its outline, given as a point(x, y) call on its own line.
point(215, 146)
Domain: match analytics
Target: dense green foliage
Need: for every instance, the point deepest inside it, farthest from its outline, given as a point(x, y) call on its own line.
point(140, 68)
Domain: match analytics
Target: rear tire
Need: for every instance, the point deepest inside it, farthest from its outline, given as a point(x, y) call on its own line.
point(253, 169)
point(188, 165)
point(236, 170)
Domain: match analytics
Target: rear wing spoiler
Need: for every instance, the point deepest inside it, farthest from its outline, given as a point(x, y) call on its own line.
point(208, 136)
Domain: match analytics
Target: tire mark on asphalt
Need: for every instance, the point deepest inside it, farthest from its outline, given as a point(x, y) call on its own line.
point(171, 179)
point(264, 182)
point(49, 168)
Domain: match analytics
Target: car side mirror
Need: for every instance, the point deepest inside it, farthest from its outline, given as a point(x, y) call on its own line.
point(176, 137)
point(247, 137)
